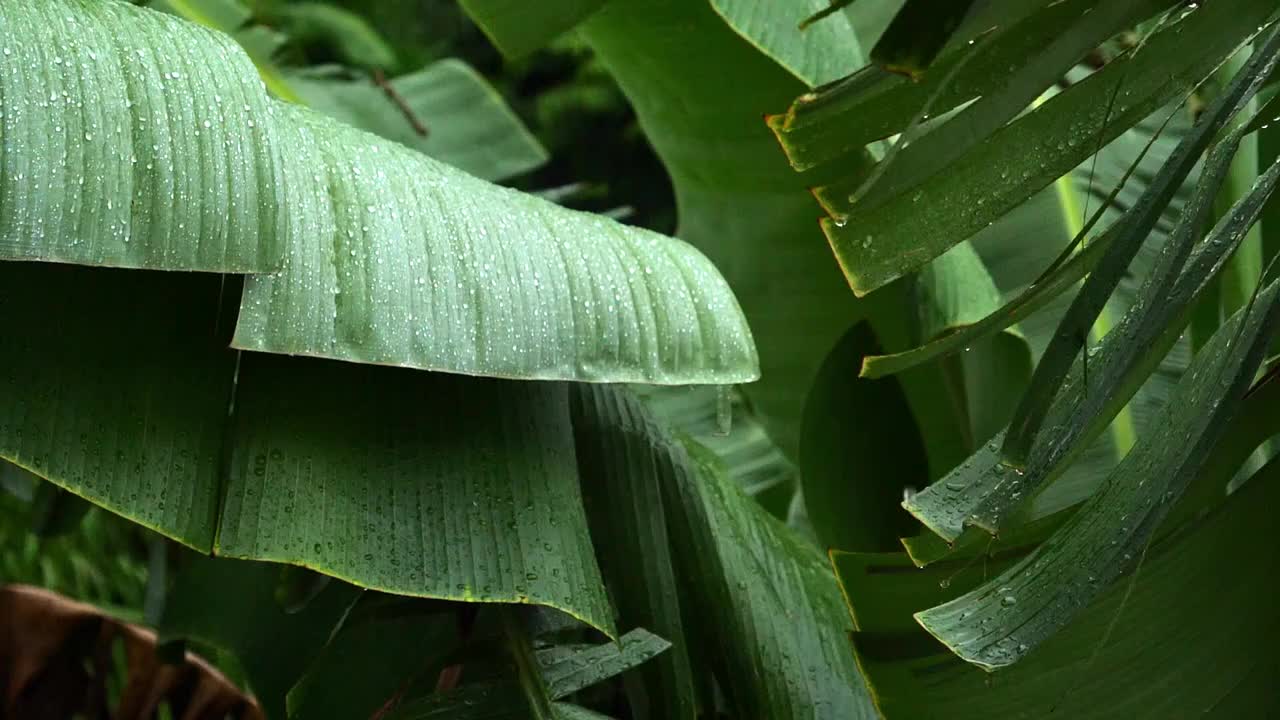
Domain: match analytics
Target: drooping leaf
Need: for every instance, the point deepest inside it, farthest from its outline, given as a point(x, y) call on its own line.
point(628, 520)
point(876, 601)
point(570, 669)
point(554, 294)
point(468, 125)
point(130, 139)
point(404, 261)
point(1133, 349)
point(766, 604)
point(999, 623)
point(117, 388)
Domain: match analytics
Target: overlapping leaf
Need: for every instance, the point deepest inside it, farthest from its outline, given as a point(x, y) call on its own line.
point(879, 239)
point(185, 168)
point(117, 387)
point(819, 54)
point(1136, 225)
point(999, 623)
point(772, 602)
point(1183, 634)
point(625, 507)
point(872, 104)
point(467, 125)
point(984, 490)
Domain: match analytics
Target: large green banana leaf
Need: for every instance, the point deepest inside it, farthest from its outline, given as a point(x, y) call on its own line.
point(118, 387)
point(625, 508)
point(365, 250)
point(757, 603)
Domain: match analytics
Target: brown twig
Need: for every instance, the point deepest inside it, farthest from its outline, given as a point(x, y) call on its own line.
point(380, 79)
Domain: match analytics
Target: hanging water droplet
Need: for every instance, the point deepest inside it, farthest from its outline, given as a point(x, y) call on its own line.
point(724, 410)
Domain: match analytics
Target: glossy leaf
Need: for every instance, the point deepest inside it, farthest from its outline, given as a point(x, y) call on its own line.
point(876, 244)
point(400, 260)
point(1086, 306)
point(1182, 634)
point(826, 126)
point(999, 623)
point(1133, 350)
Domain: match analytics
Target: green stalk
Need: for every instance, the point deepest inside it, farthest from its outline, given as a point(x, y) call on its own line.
point(1123, 434)
point(1240, 277)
